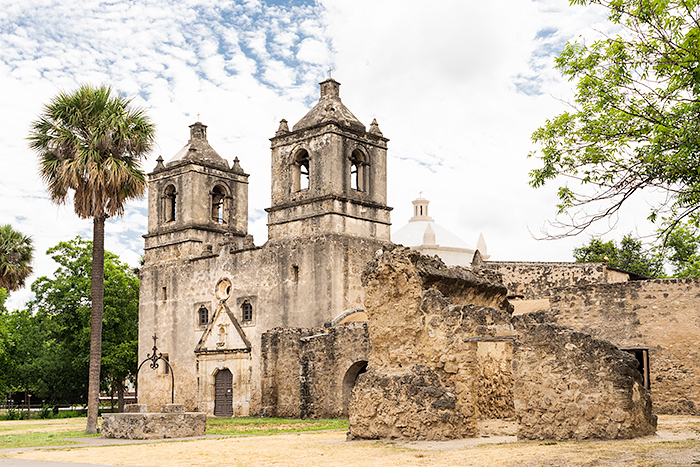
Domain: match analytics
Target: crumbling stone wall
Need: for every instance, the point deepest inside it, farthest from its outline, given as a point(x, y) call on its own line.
point(534, 280)
point(569, 385)
point(659, 314)
point(304, 370)
point(420, 381)
point(436, 367)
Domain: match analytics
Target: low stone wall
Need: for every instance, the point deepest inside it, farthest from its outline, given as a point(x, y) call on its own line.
point(409, 404)
point(309, 373)
point(661, 315)
point(534, 280)
point(569, 385)
point(423, 378)
point(136, 423)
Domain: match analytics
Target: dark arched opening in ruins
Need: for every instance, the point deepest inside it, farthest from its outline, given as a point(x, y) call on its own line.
point(349, 380)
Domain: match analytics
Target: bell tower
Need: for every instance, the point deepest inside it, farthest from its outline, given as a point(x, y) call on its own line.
point(329, 174)
point(196, 203)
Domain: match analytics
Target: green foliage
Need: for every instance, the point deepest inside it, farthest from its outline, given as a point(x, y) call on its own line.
point(681, 249)
point(635, 122)
point(49, 342)
point(91, 142)
point(45, 412)
point(16, 253)
point(628, 256)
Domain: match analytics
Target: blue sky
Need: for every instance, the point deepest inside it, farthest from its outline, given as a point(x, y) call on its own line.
point(458, 86)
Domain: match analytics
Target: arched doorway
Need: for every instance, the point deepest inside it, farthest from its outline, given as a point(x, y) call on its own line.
point(349, 380)
point(223, 393)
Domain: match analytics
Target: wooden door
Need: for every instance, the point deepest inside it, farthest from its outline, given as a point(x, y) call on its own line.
point(223, 394)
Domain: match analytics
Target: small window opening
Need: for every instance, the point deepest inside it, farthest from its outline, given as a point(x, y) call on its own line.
point(203, 316)
point(301, 171)
point(642, 356)
point(217, 204)
point(247, 311)
point(169, 203)
point(421, 210)
point(166, 367)
point(358, 173)
point(295, 273)
point(164, 293)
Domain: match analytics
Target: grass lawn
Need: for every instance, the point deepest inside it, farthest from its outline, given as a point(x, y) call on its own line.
point(264, 426)
point(30, 433)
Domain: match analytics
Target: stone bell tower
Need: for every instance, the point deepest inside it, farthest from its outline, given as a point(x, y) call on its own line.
point(196, 202)
point(329, 174)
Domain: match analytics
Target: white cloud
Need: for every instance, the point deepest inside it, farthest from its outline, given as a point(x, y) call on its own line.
point(458, 86)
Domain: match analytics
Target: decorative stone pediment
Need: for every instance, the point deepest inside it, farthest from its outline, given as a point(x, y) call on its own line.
point(223, 334)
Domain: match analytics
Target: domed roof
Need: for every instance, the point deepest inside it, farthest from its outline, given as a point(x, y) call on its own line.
point(415, 233)
point(197, 149)
point(330, 109)
point(422, 233)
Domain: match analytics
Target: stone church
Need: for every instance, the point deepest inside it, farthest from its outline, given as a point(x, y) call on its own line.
point(208, 294)
point(280, 329)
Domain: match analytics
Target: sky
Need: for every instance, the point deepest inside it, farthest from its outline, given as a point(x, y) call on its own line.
point(458, 86)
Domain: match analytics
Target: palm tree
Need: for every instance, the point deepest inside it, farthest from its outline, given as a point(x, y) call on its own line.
point(16, 252)
point(91, 142)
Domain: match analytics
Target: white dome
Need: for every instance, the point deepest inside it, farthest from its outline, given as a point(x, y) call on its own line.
point(424, 235)
point(413, 234)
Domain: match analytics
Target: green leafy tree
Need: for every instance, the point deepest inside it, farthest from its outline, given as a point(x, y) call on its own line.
point(16, 252)
point(25, 345)
point(628, 256)
point(62, 308)
point(91, 143)
point(682, 250)
point(635, 118)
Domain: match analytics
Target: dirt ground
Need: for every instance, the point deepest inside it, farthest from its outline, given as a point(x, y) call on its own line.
point(677, 442)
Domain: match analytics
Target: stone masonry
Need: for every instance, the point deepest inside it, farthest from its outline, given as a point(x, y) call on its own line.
point(420, 381)
point(443, 345)
point(137, 423)
point(659, 315)
point(569, 385)
point(310, 373)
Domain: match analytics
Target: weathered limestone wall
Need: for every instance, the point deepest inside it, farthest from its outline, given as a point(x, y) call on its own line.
point(420, 381)
point(309, 373)
point(534, 280)
point(659, 314)
point(172, 422)
point(304, 282)
point(493, 382)
point(569, 385)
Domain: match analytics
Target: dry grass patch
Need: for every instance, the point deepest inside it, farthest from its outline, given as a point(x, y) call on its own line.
point(330, 449)
point(19, 427)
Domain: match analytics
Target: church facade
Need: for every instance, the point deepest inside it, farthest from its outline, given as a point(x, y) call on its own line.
point(208, 294)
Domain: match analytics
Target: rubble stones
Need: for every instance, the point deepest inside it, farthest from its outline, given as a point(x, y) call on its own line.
point(569, 385)
point(420, 382)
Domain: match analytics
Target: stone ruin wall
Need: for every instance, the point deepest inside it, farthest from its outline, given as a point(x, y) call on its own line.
point(304, 369)
point(534, 280)
point(569, 385)
point(423, 380)
point(660, 314)
point(429, 355)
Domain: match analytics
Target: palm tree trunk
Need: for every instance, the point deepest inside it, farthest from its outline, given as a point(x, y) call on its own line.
point(98, 266)
point(120, 397)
